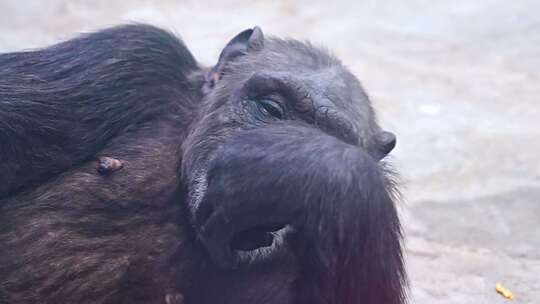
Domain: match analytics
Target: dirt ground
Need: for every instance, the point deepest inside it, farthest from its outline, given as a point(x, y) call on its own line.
point(457, 81)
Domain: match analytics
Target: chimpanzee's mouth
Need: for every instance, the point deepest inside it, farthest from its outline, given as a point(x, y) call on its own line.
point(257, 237)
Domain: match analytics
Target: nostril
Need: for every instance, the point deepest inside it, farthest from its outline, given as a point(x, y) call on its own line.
point(254, 238)
point(251, 240)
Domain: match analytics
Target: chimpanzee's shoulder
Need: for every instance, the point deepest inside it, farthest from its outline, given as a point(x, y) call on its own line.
point(138, 32)
point(137, 39)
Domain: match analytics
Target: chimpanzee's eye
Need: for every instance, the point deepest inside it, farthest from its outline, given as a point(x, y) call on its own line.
point(271, 108)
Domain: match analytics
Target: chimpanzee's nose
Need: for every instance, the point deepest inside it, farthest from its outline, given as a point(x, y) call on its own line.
point(249, 209)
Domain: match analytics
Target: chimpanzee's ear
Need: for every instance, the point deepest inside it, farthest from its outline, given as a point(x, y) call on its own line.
point(241, 44)
point(386, 142)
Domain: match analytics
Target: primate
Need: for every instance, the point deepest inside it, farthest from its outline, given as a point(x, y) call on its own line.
point(132, 174)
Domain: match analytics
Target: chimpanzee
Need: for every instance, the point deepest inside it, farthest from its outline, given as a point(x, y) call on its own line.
point(132, 174)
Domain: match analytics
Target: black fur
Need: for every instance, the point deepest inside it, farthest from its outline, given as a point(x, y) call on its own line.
point(258, 180)
point(62, 104)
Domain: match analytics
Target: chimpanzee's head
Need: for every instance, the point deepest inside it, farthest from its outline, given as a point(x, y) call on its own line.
point(280, 122)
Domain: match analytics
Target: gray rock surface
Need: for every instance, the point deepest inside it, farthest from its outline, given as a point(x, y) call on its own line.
point(458, 81)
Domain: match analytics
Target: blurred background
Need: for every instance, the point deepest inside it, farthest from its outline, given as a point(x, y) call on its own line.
point(457, 81)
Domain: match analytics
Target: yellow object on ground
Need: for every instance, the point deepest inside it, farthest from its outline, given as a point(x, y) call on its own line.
point(503, 291)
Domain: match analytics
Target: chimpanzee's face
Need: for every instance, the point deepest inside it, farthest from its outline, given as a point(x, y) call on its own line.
point(285, 81)
point(276, 82)
point(279, 118)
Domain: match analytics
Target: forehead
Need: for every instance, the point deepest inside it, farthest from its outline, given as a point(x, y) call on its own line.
point(296, 56)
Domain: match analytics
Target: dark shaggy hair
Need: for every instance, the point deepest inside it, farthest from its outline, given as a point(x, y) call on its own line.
point(258, 180)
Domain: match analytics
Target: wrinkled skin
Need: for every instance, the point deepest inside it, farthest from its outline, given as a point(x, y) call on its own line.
point(131, 174)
